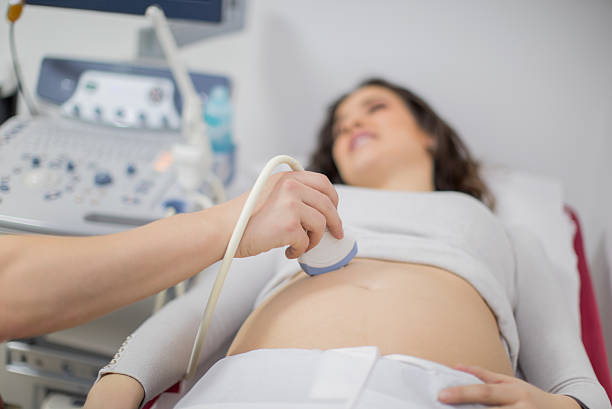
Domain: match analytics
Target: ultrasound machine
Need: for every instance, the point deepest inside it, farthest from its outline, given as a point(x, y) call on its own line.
point(99, 162)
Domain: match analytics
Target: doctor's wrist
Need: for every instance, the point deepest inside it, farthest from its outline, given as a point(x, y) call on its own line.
point(225, 216)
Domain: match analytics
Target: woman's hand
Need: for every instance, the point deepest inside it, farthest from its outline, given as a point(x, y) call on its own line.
point(115, 391)
point(503, 391)
point(293, 209)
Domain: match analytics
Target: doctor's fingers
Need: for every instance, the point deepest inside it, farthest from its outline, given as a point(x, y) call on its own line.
point(314, 223)
point(307, 232)
point(298, 243)
point(323, 204)
point(316, 181)
point(293, 189)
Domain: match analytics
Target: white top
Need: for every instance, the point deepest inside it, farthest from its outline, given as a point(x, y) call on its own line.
point(450, 230)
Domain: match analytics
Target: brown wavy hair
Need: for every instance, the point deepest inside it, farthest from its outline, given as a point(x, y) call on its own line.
point(454, 167)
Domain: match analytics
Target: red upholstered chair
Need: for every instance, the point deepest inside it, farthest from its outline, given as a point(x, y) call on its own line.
point(176, 388)
point(592, 334)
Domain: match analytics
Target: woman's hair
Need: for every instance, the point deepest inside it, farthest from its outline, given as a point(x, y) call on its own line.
point(454, 168)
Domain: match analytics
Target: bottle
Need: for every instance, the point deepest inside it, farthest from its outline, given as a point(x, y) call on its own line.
point(218, 121)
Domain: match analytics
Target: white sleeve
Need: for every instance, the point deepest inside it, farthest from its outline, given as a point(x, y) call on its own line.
point(551, 355)
point(157, 353)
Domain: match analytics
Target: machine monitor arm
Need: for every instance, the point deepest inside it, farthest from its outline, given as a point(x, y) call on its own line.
point(194, 159)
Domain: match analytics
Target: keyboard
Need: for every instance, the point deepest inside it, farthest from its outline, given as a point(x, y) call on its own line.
point(63, 176)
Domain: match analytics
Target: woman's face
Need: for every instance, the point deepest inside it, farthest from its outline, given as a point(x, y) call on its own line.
point(376, 138)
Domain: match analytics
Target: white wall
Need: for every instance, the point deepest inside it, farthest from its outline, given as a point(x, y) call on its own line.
point(526, 83)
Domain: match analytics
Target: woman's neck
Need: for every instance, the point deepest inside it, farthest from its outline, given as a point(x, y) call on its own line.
point(414, 179)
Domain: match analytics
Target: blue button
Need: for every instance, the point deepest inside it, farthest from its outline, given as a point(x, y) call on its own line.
point(70, 166)
point(91, 86)
point(67, 369)
point(130, 170)
point(53, 195)
point(103, 178)
point(35, 162)
point(178, 205)
point(4, 188)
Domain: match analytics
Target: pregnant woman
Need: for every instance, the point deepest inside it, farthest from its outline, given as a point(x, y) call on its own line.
point(443, 305)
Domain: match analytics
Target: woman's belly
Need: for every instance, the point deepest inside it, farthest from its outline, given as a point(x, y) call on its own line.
point(402, 308)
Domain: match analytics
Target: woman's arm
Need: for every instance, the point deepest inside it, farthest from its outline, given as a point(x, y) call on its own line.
point(115, 391)
point(49, 283)
point(551, 356)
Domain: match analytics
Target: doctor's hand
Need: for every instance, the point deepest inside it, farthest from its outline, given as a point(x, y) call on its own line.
point(503, 391)
point(293, 209)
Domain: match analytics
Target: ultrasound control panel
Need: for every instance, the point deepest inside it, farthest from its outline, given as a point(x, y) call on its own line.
point(102, 162)
point(65, 177)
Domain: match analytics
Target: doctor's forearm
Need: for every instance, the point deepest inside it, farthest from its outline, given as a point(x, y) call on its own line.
point(51, 283)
